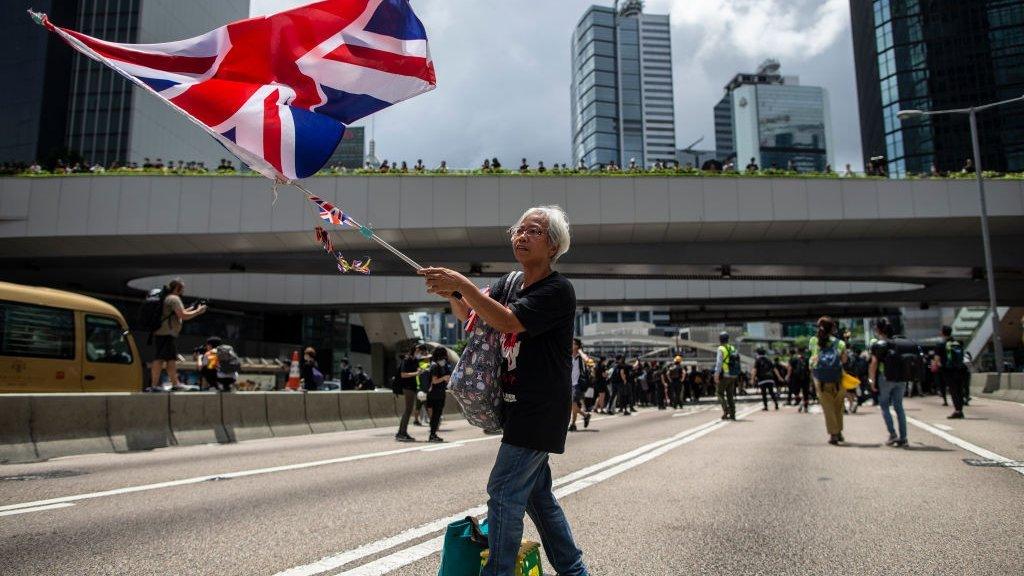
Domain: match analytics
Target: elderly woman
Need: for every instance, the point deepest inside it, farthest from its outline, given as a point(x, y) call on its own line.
point(535, 388)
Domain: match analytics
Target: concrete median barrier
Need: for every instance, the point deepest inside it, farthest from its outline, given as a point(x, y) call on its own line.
point(451, 407)
point(70, 424)
point(323, 412)
point(1008, 387)
point(382, 409)
point(139, 422)
point(286, 414)
point(245, 416)
point(15, 430)
point(196, 419)
point(355, 410)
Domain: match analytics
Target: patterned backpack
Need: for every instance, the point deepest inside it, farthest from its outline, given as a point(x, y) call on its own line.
point(476, 383)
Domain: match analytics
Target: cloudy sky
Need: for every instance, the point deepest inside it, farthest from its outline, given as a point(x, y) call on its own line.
point(504, 69)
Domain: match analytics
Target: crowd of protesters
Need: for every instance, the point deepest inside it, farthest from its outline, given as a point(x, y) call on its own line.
point(885, 372)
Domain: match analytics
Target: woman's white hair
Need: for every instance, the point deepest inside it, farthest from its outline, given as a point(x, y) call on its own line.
point(558, 227)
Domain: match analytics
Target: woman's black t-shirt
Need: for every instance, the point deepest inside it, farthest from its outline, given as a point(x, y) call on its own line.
point(536, 386)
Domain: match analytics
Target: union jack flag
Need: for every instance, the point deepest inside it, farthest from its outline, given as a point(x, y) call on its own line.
point(278, 90)
point(329, 212)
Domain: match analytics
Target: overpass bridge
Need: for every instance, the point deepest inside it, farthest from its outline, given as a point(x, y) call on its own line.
point(704, 247)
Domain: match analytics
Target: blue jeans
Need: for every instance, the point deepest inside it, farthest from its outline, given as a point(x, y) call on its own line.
point(521, 482)
point(891, 394)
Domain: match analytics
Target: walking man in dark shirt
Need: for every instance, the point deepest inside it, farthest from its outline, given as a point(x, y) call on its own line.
point(535, 388)
point(949, 356)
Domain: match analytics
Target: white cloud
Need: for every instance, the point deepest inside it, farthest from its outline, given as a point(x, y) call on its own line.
point(785, 28)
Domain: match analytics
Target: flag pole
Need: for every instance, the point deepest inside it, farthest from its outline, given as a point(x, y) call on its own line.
point(369, 234)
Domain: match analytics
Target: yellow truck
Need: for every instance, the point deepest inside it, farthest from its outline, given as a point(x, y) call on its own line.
point(56, 341)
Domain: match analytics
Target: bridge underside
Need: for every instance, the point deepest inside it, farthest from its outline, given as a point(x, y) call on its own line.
point(703, 248)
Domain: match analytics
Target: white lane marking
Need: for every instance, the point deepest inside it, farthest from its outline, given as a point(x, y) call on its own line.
point(36, 509)
point(339, 560)
point(965, 444)
point(943, 427)
point(691, 413)
point(240, 474)
point(442, 447)
point(419, 551)
point(231, 475)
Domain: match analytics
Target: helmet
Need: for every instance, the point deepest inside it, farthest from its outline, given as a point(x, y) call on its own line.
point(723, 337)
point(677, 359)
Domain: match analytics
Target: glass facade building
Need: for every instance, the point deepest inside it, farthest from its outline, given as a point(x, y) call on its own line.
point(34, 122)
point(73, 103)
point(936, 55)
point(100, 103)
point(622, 91)
point(351, 151)
point(774, 120)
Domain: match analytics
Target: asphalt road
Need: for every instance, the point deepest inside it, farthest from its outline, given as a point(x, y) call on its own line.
point(660, 492)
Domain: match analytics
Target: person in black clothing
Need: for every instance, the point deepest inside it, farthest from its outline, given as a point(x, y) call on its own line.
point(781, 373)
point(672, 376)
point(624, 397)
point(693, 387)
point(440, 373)
point(601, 385)
point(535, 388)
point(617, 383)
point(799, 380)
point(766, 375)
point(408, 374)
point(362, 380)
point(952, 370)
point(309, 382)
point(345, 375)
point(658, 384)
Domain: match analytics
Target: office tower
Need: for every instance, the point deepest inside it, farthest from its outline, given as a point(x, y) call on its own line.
point(774, 120)
point(936, 55)
point(34, 119)
point(350, 152)
point(622, 92)
point(75, 103)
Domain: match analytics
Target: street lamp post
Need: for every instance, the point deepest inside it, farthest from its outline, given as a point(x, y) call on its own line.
point(972, 113)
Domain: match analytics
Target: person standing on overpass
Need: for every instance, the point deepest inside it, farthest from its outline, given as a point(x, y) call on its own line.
point(535, 388)
point(727, 368)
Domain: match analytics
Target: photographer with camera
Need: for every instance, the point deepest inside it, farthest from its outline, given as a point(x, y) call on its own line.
point(174, 315)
